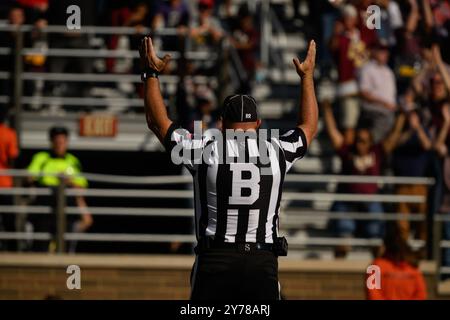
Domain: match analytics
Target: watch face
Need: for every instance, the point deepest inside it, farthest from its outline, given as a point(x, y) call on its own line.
point(146, 74)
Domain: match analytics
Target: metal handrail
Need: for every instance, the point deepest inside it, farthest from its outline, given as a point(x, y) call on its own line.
point(94, 77)
point(81, 101)
point(151, 238)
point(289, 219)
point(331, 178)
point(17, 191)
point(106, 53)
point(181, 212)
point(40, 236)
point(172, 179)
point(26, 209)
point(351, 197)
point(90, 30)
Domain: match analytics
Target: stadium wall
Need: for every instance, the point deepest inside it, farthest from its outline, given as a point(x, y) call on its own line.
point(37, 276)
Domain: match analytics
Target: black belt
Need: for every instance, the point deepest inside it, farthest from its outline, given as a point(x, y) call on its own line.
point(211, 243)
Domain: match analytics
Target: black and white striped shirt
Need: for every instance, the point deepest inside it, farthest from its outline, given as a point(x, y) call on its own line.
point(234, 202)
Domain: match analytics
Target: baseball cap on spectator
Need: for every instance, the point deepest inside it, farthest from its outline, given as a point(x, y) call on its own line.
point(56, 130)
point(239, 108)
point(349, 11)
point(205, 4)
point(380, 45)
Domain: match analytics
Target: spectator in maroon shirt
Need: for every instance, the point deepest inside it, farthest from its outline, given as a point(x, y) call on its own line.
point(363, 158)
point(349, 45)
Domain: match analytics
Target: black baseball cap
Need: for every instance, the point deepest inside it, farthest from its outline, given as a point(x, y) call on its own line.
point(56, 130)
point(240, 108)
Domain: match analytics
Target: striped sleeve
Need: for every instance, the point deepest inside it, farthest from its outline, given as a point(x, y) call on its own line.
point(293, 144)
point(183, 147)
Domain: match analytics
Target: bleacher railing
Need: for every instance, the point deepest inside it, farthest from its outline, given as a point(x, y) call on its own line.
point(291, 216)
point(19, 51)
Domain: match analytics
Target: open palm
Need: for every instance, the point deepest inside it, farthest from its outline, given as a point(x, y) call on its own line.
point(149, 59)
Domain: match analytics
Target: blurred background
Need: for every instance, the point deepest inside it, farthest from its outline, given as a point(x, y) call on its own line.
point(82, 179)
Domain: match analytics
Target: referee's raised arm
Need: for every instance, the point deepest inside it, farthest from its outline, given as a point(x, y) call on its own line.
point(308, 110)
point(155, 110)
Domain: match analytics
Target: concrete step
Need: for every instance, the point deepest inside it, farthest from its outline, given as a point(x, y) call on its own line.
point(275, 109)
point(292, 42)
point(261, 91)
point(288, 76)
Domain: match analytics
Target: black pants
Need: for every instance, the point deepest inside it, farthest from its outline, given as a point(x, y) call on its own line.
point(7, 224)
point(47, 222)
point(223, 274)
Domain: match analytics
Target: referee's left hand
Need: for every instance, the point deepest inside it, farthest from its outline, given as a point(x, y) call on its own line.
point(149, 59)
point(306, 68)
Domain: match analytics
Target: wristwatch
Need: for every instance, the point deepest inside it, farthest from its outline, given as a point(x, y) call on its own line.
point(149, 73)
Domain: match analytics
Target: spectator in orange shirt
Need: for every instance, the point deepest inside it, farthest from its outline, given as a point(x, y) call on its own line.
point(400, 277)
point(8, 152)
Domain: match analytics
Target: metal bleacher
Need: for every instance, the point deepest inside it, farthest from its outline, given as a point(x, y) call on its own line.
point(277, 95)
point(304, 218)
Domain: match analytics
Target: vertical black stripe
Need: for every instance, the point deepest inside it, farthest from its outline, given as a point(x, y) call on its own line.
point(196, 210)
point(202, 176)
point(263, 201)
point(282, 163)
point(242, 226)
point(243, 211)
point(223, 188)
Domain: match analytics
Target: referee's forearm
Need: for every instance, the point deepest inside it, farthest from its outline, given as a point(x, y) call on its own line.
point(155, 110)
point(308, 113)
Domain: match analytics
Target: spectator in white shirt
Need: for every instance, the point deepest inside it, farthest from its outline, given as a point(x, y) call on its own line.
point(378, 92)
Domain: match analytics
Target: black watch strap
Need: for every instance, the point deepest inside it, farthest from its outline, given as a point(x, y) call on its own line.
point(149, 73)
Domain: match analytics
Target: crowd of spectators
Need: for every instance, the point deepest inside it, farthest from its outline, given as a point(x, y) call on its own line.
point(391, 101)
point(203, 26)
point(392, 83)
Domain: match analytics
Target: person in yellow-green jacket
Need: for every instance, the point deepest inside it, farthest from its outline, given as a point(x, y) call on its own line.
point(58, 161)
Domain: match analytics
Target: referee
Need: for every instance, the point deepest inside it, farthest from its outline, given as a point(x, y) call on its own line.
point(236, 204)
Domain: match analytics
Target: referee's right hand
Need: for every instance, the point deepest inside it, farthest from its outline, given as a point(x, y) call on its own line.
point(149, 59)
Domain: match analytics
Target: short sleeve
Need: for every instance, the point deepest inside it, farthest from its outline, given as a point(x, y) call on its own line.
point(183, 147)
point(37, 162)
point(294, 145)
point(365, 83)
point(76, 169)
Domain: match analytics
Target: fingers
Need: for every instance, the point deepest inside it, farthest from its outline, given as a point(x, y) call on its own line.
point(167, 58)
point(150, 50)
point(312, 50)
point(310, 56)
point(147, 47)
